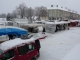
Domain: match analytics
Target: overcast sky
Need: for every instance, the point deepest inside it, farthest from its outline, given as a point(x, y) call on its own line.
point(7, 6)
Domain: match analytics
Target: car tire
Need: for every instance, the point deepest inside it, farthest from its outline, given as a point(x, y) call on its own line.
point(33, 58)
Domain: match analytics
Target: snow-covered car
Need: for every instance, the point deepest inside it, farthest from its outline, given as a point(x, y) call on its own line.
point(21, 48)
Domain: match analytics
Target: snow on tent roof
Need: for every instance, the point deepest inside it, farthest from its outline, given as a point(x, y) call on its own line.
point(62, 22)
point(49, 23)
point(22, 22)
point(33, 25)
point(12, 43)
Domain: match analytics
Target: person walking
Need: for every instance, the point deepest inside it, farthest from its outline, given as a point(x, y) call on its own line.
point(38, 47)
point(10, 37)
point(43, 31)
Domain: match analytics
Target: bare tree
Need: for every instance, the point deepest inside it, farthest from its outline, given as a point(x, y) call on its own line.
point(14, 14)
point(37, 9)
point(3, 15)
point(33, 14)
point(21, 9)
point(30, 14)
point(8, 17)
point(41, 12)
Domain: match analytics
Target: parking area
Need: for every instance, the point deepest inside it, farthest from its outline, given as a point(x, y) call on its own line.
point(56, 46)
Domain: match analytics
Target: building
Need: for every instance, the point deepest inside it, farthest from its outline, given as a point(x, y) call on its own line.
point(56, 13)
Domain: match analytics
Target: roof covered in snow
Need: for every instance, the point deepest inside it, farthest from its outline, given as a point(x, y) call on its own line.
point(33, 25)
point(40, 21)
point(74, 20)
point(20, 20)
point(18, 41)
point(62, 22)
point(12, 43)
point(60, 8)
point(11, 27)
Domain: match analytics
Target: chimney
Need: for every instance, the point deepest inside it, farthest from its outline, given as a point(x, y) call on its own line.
point(51, 5)
point(56, 5)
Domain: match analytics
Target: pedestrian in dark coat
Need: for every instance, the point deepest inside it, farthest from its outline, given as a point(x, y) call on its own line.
point(43, 32)
point(38, 44)
point(10, 37)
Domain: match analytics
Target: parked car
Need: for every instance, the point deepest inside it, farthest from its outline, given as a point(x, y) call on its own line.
point(79, 23)
point(20, 48)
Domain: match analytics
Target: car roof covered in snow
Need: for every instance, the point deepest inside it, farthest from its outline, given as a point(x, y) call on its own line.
point(18, 41)
point(15, 42)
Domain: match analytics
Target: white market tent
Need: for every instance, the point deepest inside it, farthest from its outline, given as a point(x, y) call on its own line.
point(51, 26)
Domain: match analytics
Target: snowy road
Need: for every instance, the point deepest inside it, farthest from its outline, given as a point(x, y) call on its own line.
point(56, 46)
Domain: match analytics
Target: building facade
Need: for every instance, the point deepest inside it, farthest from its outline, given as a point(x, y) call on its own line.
point(56, 14)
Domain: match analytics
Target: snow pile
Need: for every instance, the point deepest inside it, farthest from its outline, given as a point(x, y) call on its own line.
point(40, 28)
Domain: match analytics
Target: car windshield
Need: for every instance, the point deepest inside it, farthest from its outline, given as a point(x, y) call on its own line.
point(1, 51)
point(36, 35)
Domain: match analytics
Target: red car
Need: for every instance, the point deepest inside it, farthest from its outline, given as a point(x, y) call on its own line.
point(20, 49)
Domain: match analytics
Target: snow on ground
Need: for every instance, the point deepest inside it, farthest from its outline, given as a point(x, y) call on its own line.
point(56, 46)
point(4, 38)
point(74, 54)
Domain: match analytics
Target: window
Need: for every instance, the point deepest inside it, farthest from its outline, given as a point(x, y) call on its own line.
point(31, 47)
point(22, 50)
point(10, 24)
point(8, 55)
point(1, 51)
